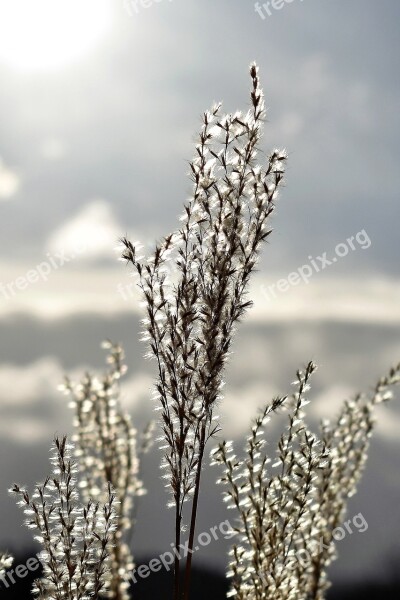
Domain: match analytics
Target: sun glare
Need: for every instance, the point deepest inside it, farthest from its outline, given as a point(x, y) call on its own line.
point(46, 34)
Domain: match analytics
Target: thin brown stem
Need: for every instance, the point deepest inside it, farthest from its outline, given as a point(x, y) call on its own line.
point(188, 568)
point(178, 519)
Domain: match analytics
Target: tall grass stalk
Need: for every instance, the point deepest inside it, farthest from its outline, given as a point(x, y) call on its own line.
point(190, 320)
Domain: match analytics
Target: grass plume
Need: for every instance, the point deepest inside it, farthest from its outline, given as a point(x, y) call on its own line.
point(76, 538)
point(190, 321)
point(288, 507)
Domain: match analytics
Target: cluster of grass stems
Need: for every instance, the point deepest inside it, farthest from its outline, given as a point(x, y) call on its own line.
point(195, 293)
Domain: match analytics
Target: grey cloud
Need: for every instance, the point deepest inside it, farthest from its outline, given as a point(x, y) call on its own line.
point(128, 117)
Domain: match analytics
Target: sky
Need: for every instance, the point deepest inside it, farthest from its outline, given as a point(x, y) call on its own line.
point(100, 102)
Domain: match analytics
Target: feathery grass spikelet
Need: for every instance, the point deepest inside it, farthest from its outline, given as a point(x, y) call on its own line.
point(290, 509)
point(5, 563)
point(106, 451)
point(190, 320)
point(76, 538)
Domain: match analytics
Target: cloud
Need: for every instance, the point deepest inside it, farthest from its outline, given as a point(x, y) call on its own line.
point(9, 181)
point(92, 233)
point(20, 385)
point(354, 300)
point(29, 408)
point(53, 149)
point(32, 408)
point(25, 431)
point(136, 392)
point(241, 406)
point(78, 287)
point(388, 421)
point(328, 404)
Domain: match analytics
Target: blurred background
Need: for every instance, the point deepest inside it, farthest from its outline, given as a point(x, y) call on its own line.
point(100, 101)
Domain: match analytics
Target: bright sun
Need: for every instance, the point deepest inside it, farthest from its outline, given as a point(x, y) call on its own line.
point(46, 34)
